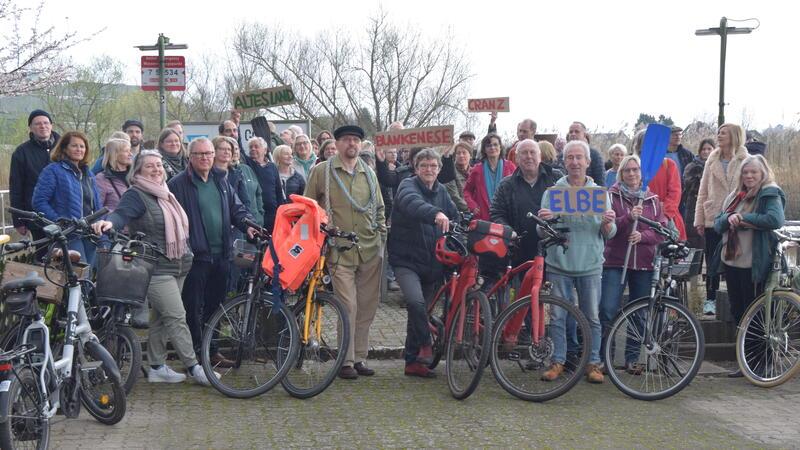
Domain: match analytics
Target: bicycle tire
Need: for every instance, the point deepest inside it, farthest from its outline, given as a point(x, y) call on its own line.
point(300, 381)
point(473, 351)
point(518, 364)
point(436, 320)
point(27, 424)
point(656, 371)
point(275, 329)
point(101, 395)
point(785, 342)
point(9, 339)
point(124, 346)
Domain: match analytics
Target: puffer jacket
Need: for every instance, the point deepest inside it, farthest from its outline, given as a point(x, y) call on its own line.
point(60, 192)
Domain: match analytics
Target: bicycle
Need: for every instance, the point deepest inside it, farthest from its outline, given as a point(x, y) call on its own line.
point(323, 339)
point(523, 344)
point(658, 329)
point(460, 316)
point(251, 329)
point(38, 384)
point(768, 338)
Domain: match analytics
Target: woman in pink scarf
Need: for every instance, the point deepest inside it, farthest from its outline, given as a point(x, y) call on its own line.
point(150, 208)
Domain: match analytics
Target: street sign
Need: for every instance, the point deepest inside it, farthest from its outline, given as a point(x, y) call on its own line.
point(174, 73)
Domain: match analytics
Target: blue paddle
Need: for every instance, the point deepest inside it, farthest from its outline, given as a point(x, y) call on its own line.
point(654, 148)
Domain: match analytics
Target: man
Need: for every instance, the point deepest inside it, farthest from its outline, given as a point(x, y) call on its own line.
point(677, 152)
point(580, 267)
point(521, 193)
point(753, 145)
point(468, 137)
point(177, 126)
point(349, 192)
point(525, 130)
point(27, 161)
point(212, 208)
point(577, 131)
point(135, 131)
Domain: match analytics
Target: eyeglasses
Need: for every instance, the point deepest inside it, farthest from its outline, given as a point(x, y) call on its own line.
point(203, 155)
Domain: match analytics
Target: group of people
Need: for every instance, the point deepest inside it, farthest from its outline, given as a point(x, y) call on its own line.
point(195, 198)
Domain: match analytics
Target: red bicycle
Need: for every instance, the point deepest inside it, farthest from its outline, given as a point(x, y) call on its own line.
point(459, 316)
point(524, 340)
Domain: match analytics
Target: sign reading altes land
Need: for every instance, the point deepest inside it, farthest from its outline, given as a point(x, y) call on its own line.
point(415, 137)
point(263, 98)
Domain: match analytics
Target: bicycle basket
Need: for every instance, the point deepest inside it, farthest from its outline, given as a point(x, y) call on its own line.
point(244, 253)
point(687, 267)
point(123, 275)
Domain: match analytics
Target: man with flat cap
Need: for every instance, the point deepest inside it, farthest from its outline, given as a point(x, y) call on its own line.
point(348, 190)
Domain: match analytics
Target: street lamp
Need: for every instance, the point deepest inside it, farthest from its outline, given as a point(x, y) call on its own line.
point(162, 45)
point(722, 31)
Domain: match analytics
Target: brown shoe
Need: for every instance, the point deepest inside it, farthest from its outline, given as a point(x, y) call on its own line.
point(348, 373)
point(218, 360)
point(555, 371)
point(362, 369)
point(594, 374)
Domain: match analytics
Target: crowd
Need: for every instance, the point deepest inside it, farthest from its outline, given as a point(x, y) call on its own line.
point(194, 198)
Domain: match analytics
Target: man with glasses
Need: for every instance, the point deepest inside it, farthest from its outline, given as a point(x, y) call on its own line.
point(212, 208)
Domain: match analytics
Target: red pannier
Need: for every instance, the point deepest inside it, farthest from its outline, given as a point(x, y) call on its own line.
point(489, 239)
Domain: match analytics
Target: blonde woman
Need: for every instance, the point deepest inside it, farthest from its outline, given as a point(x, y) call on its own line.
point(112, 182)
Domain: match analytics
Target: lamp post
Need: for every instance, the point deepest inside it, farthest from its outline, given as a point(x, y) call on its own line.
point(162, 45)
point(723, 31)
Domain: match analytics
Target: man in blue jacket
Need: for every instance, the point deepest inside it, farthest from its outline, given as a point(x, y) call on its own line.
point(212, 208)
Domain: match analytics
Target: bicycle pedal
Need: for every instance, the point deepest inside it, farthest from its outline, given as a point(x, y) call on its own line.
point(513, 356)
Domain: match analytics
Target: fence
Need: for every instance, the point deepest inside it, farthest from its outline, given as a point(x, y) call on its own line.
point(5, 217)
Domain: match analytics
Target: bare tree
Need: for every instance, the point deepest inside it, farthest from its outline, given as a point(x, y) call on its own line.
point(205, 97)
point(387, 74)
point(31, 58)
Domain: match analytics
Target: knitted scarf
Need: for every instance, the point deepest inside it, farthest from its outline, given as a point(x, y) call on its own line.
point(307, 164)
point(492, 182)
point(176, 224)
point(746, 198)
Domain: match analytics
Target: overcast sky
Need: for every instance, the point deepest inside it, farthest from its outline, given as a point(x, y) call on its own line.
point(601, 62)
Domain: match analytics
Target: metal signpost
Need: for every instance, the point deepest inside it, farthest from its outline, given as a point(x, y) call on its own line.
point(161, 46)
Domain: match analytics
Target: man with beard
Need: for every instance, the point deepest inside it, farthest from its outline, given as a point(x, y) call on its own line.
point(348, 190)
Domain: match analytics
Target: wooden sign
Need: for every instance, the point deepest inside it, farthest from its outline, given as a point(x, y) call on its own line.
point(499, 104)
point(576, 201)
point(415, 137)
point(264, 98)
point(551, 138)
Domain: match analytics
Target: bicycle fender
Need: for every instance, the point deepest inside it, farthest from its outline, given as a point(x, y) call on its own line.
point(4, 404)
point(99, 353)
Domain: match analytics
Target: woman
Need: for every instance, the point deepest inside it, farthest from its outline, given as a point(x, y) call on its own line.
point(463, 155)
point(224, 147)
point(746, 247)
point(615, 154)
point(720, 178)
point(691, 184)
point(112, 182)
point(323, 136)
point(67, 188)
point(150, 208)
point(291, 181)
point(267, 174)
point(326, 150)
point(170, 144)
point(304, 158)
point(251, 188)
point(422, 213)
point(486, 175)
point(625, 194)
point(666, 184)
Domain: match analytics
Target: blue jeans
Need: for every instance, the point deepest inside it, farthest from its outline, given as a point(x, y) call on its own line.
point(588, 290)
point(638, 282)
point(86, 248)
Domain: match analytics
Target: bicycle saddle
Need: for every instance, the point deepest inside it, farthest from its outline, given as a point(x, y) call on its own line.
point(32, 280)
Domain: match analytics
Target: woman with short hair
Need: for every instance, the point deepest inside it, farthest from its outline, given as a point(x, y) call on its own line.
point(291, 181)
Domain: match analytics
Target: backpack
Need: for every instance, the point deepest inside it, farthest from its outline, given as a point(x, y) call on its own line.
point(296, 241)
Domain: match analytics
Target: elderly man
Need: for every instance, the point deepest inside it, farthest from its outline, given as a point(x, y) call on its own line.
point(577, 132)
point(525, 130)
point(348, 190)
point(268, 178)
point(212, 208)
point(580, 267)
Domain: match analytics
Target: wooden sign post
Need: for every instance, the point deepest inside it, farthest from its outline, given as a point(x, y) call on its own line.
point(415, 137)
point(263, 98)
point(576, 201)
point(498, 104)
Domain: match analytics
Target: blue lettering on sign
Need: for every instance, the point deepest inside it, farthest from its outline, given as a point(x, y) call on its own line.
point(575, 201)
point(599, 201)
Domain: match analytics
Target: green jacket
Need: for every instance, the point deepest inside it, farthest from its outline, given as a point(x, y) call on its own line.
point(369, 225)
point(253, 189)
point(767, 216)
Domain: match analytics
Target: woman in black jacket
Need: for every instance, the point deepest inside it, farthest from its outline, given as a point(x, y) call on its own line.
point(421, 214)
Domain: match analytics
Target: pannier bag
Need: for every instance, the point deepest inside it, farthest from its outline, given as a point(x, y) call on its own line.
point(123, 275)
point(297, 241)
point(489, 239)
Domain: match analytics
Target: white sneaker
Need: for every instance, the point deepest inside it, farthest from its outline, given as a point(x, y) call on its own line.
point(710, 307)
point(164, 374)
point(198, 375)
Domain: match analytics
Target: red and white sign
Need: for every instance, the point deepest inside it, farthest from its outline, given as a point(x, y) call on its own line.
point(499, 104)
point(415, 137)
point(174, 73)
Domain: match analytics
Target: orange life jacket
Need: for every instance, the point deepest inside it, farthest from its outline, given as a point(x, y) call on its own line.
point(297, 240)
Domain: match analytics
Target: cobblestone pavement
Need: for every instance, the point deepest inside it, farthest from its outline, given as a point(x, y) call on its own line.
point(391, 410)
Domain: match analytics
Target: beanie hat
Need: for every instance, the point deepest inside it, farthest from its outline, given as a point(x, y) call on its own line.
point(38, 112)
point(132, 123)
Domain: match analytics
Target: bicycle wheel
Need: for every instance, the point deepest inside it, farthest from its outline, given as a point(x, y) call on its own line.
point(437, 315)
point(770, 355)
point(319, 359)
point(518, 364)
point(101, 395)
point(26, 426)
point(253, 342)
point(468, 354)
point(124, 346)
point(672, 360)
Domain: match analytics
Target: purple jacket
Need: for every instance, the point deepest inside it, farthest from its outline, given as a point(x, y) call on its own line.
point(642, 253)
point(110, 190)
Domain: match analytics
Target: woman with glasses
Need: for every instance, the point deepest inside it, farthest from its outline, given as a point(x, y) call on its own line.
point(486, 175)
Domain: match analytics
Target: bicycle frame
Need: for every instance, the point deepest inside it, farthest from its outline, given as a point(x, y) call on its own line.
point(312, 286)
point(461, 281)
